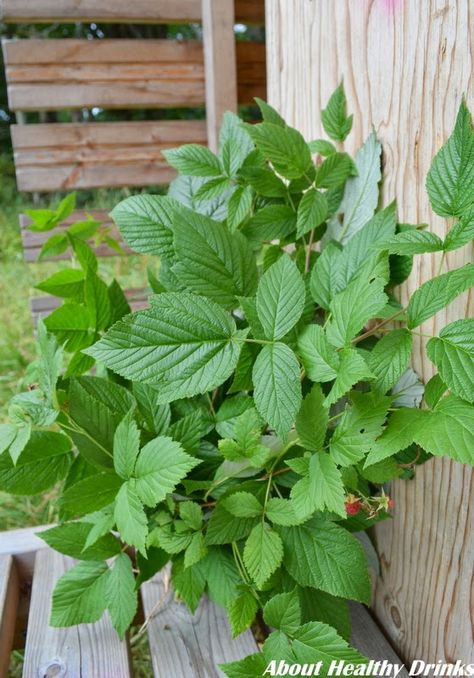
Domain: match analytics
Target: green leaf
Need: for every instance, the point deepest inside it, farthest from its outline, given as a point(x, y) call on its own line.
point(389, 358)
point(160, 466)
point(71, 539)
point(283, 612)
point(322, 281)
point(397, 435)
point(264, 181)
point(222, 576)
point(312, 420)
point(321, 606)
point(414, 242)
point(280, 298)
point(96, 299)
point(157, 417)
point(450, 181)
point(461, 233)
point(243, 505)
point(322, 147)
point(337, 124)
point(130, 516)
point(224, 528)
point(185, 342)
point(312, 211)
point(189, 583)
point(43, 461)
point(242, 611)
point(253, 665)
point(317, 642)
point(361, 193)
point(323, 555)
point(191, 514)
point(352, 308)
point(193, 160)
point(334, 171)
point(232, 131)
point(90, 494)
point(239, 206)
point(212, 261)
point(269, 114)
point(270, 223)
point(79, 596)
point(351, 370)
point(121, 597)
point(320, 360)
point(435, 389)
point(126, 446)
point(277, 388)
point(453, 354)
point(437, 293)
point(145, 222)
point(71, 323)
point(358, 428)
point(263, 553)
point(282, 512)
point(214, 188)
point(284, 147)
point(448, 431)
point(321, 490)
point(66, 283)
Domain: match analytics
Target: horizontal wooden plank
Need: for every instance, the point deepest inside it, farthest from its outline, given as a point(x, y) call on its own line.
point(69, 74)
point(72, 51)
point(91, 134)
point(43, 306)
point(120, 11)
point(33, 241)
point(184, 645)
point(369, 639)
point(9, 598)
point(23, 545)
point(85, 651)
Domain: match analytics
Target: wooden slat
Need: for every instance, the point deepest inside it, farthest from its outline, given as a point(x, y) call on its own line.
point(185, 645)
point(23, 545)
point(62, 156)
point(9, 598)
point(84, 651)
point(369, 640)
point(68, 74)
point(220, 64)
point(120, 11)
point(43, 306)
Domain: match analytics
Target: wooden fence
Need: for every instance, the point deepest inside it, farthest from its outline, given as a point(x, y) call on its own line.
point(55, 75)
point(405, 66)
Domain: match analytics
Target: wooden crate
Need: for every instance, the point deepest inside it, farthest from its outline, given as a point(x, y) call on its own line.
point(182, 645)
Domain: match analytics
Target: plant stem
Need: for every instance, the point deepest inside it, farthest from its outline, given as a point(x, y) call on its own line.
point(78, 429)
point(375, 329)
point(441, 262)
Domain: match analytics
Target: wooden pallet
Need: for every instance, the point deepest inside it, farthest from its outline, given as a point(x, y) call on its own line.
point(182, 645)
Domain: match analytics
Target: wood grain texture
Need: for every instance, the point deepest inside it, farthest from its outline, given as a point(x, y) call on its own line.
point(9, 597)
point(71, 74)
point(69, 155)
point(84, 651)
point(23, 545)
point(120, 11)
point(220, 64)
point(43, 306)
point(405, 66)
point(185, 645)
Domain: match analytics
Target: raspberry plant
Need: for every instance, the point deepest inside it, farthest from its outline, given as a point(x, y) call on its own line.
point(244, 425)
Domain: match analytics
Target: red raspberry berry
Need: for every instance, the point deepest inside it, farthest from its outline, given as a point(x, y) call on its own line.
point(353, 507)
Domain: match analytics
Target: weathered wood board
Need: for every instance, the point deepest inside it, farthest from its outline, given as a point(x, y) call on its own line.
point(70, 74)
point(405, 65)
point(64, 156)
point(120, 11)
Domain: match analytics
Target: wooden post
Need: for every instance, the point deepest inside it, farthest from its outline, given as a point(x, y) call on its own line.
point(405, 65)
point(220, 64)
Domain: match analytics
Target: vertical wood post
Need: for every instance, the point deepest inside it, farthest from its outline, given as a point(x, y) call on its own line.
point(219, 63)
point(405, 66)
